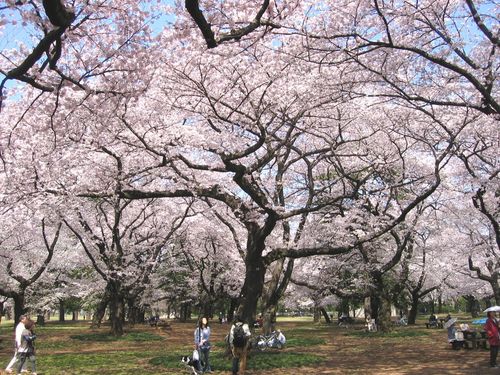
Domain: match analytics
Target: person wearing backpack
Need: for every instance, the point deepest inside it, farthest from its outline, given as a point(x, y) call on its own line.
point(238, 340)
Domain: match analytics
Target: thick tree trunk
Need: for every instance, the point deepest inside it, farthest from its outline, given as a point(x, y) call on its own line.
point(100, 310)
point(19, 306)
point(368, 308)
point(116, 308)
point(273, 292)
point(325, 315)
point(74, 317)
point(472, 305)
point(375, 306)
point(135, 314)
point(412, 316)
point(440, 304)
point(316, 315)
point(344, 307)
point(384, 316)
point(185, 312)
point(253, 285)
point(62, 311)
point(269, 320)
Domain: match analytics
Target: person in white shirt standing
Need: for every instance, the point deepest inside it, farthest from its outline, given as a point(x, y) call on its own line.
point(19, 333)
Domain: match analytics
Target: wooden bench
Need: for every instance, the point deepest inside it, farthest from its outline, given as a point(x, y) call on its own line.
point(475, 340)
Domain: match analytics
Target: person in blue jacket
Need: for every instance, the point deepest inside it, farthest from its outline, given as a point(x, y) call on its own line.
point(202, 344)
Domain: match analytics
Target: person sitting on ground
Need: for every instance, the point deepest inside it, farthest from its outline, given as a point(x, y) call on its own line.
point(238, 340)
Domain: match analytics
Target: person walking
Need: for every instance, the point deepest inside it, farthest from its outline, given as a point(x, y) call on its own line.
point(239, 337)
point(26, 351)
point(17, 340)
point(202, 344)
point(491, 328)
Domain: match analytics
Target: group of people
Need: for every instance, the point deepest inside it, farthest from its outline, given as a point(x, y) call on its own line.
point(24, 347)
point(238, 340)
point(491, 328)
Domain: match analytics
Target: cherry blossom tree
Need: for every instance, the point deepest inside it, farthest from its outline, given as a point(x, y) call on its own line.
point(26, 252)
point(343, 109)
point(124, 241)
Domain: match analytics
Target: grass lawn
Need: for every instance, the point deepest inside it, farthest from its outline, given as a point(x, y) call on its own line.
point(72, 348)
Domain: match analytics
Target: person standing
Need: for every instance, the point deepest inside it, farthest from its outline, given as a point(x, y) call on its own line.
point(238, 340)
point(26, 351)
point(18, 335)
point(202, 344)
point(491, 328)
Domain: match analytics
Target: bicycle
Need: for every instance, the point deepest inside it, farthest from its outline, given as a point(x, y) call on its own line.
point(275, 340)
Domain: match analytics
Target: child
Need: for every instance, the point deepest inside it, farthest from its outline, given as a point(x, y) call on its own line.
point(27, 349)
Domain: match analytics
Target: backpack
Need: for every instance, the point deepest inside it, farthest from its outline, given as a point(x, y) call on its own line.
point(239, 336)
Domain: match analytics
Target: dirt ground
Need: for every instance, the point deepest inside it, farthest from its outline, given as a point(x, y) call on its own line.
point(343, 352)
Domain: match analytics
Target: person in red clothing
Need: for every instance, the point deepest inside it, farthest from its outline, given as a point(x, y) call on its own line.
point(491, 328)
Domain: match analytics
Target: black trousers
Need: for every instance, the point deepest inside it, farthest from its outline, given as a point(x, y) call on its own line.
point(493, 355)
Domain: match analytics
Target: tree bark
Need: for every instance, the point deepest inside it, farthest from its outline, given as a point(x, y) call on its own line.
point(135, 314)
point(274, 291)
point(19, 306)
point(375, 306)
point(116, 308)
point(412, 316)
point(384, 316)
point(472, 305)
point(254, 277)
point(62, 311)
point(100, 311)
point(325, 315)
point(316, 315)
point(368, 308)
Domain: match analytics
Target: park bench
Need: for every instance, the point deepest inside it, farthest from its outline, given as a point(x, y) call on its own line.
point(475, 340)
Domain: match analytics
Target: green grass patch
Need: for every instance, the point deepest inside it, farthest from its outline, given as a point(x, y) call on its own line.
point(92, 363)
point(256, 360)
point(106, 337)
